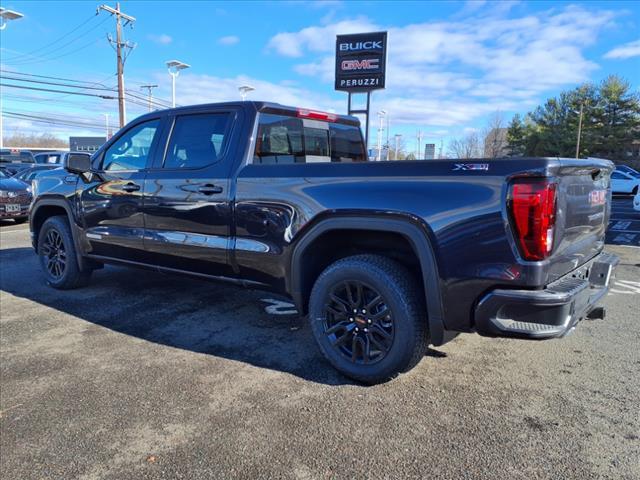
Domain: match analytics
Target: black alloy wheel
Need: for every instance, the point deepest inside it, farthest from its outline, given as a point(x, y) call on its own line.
point(56, 255)
point(368, 316)
point(358, 322)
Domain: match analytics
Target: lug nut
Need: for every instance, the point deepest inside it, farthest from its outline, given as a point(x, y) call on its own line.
point(368, 320)
point(364, 311)
point(366, 330)
point(357, 329)
point(350, 319)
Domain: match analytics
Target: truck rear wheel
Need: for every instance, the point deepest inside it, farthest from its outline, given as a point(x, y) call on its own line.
point(57, 254)
point(368, 317)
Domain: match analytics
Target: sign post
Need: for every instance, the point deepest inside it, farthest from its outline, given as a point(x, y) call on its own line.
point(361, 61)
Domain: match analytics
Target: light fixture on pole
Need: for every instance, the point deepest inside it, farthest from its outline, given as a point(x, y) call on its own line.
point(244, 90)
point(397, 136)
point(174, 67)
point(381, 115)
point(5, 15)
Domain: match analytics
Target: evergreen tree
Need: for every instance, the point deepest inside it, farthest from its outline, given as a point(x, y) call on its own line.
point(516, 137)
point(610, 123)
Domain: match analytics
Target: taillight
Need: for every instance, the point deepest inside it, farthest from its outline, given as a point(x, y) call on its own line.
point(532, 205)
point(315, 115)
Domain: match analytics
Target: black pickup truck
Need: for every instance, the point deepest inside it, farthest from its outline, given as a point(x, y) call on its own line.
point(384, 257)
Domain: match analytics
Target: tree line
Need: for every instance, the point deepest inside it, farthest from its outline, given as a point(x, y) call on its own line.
point(610, 123)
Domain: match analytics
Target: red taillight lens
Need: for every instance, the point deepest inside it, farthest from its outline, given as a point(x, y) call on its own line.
point(532, 206)
point(315, 115)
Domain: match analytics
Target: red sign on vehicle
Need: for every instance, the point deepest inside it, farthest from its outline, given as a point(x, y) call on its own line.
point(597, 197)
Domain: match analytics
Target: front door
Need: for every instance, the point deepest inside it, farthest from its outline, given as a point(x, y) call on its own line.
point(187, 198)
point(112, 203)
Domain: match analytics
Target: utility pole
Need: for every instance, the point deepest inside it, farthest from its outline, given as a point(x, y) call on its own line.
point(149, 88)
point(120, 45)
point(579, 131)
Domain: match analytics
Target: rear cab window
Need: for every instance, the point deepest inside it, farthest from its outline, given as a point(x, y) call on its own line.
point(283, 139)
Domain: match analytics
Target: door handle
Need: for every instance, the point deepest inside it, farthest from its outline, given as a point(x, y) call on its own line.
point(209, 189)
point(130, 187)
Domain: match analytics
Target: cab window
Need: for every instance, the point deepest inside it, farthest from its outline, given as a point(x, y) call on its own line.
point(197, 140)
point(282, 139)
point(131, 150)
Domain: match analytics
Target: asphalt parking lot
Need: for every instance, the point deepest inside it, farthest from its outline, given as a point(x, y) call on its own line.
point(148, 376)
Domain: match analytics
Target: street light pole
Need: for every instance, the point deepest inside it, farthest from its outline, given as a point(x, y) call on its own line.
point(5, 15)
point(381, 115)
point(397, 137)
point(244, 90)
point(106, 124)
point(579, 131)
point(174, 67)
point(419, 137)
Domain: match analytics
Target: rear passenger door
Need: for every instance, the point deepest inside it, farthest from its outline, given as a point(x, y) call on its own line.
point(187, 201)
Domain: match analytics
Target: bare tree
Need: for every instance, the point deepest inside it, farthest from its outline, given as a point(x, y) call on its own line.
point(495, 136)
point(43, 140)
point(468, 146)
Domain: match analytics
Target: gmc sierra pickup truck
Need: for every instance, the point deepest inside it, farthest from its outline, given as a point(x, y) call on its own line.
point(385, 258)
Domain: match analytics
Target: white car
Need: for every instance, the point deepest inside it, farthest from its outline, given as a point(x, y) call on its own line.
point(625, 181)
point(636, 202)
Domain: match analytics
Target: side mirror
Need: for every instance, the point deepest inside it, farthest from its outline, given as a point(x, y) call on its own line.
point(78, 163)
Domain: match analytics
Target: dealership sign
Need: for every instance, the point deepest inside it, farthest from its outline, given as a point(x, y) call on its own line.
point(361, 61)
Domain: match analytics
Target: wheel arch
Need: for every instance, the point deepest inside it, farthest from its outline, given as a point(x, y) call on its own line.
point(416, 234)
point(50, 207)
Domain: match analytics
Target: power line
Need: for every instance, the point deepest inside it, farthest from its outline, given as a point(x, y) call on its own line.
point(58, 91)
point(43, 60)
point(155, 101)
point(31, 53)
point(57, 78)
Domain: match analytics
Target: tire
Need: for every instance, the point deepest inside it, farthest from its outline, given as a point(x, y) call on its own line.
point(57, 254)
point(20, 220)
point(635, 190)
point(404, 319)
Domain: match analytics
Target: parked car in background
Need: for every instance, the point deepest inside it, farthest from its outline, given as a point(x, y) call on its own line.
point(628, 169)
point(13, 161)
point(625, 181)
point(15, 198)
point(53, 157)
point(28, 174)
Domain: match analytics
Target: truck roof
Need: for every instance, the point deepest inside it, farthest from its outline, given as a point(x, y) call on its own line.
point(257, 106)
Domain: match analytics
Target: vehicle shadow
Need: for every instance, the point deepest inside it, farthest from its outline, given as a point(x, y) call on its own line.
point(179, 312)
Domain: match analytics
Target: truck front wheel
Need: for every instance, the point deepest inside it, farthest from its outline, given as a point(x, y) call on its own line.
point(368, 317)
point(57, 254)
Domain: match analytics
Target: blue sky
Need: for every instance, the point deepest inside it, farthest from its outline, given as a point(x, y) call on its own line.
point(451, 65)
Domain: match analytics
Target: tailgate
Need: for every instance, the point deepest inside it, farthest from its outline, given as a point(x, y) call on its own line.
point(583, 209)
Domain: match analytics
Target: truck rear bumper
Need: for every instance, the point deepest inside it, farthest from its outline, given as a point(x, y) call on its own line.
point(550, 312)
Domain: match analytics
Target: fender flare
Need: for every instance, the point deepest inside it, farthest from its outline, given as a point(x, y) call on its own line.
point(58, 202)
point(417, 235)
